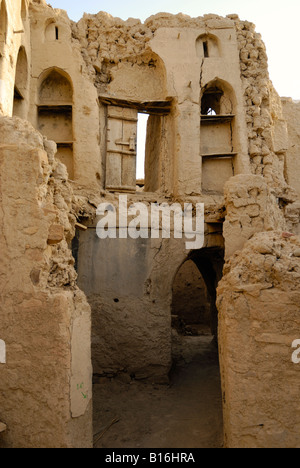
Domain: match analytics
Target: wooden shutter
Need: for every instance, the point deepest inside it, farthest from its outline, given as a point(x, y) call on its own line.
point(121, 149)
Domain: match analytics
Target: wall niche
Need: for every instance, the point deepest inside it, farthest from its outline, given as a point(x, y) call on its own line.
point(55, 114)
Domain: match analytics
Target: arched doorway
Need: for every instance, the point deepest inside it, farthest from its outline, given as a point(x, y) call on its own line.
point(194, 343)
point(194, 310)
point(190, 301)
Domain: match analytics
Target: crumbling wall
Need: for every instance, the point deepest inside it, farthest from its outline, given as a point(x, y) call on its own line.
point(45, 318)
point(258, 302)
point(255, 76)
point(267, 128)
point(251, 207)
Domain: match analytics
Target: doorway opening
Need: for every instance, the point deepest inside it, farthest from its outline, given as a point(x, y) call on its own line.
point(190, 306)
point(195, 354)
point(141, 150)
point(194, 311)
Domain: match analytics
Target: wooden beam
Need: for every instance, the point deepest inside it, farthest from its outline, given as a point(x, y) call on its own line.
point(218, 155)
point(148, 107)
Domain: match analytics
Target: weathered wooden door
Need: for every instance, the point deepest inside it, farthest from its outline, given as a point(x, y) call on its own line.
point(121, 148)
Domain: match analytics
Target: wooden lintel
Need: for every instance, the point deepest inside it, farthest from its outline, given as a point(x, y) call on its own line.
point(150, 107)
point(219, 156)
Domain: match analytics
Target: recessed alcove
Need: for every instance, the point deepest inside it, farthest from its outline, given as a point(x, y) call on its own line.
point(218, 139)
point(55, 114)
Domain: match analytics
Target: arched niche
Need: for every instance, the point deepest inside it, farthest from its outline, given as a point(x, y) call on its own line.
point(207, 46)
point(218, 98)
point(52, 32)
point(56, 31)
point(55, 87)
point(3, 26)
point(137, 84)
point(218, 135)
point(21, 85)
point(23, 11)
point(55, 113)
point(144, 80)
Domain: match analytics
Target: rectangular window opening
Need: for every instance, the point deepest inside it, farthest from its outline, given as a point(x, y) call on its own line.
point(141, 149)
point(205, 49)
point(56, 33)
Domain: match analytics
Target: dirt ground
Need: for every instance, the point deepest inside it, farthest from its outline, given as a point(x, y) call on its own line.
point(185, 414)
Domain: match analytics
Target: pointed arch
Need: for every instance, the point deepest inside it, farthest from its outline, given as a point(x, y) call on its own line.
point(21, 84)
point(55, 113)
point(208, 46)
point(55, 86)
point(219, 137)
point(218, 96)
point(24, 10)
point(3, 26)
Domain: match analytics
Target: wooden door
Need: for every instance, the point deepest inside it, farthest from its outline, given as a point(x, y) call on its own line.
point(121, 149)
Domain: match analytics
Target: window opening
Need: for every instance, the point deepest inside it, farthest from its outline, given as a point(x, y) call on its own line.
point(211, 102)
point(141, 148)
point(205, 49)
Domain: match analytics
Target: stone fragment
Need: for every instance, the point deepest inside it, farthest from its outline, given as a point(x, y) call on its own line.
point(287, 235)
point(56, 234)
point(264, 249)
point(3, 427)
point(35, 276)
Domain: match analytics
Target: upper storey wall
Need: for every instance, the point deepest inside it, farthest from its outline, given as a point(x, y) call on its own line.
point(170, 59)
point(72, 121)
point(174, 58)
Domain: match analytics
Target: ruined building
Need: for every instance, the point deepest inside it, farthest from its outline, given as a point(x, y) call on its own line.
point(217, 133)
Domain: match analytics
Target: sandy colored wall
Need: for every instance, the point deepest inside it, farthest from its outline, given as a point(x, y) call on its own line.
point(17, 35)
point(130, 288)
point(164, 57)
point(251, 207)
point(129, 284)
point(65, 55)
point(45, 319)
point(258, 301)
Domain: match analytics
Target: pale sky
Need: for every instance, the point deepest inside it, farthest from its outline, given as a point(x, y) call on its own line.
point(277, 20)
